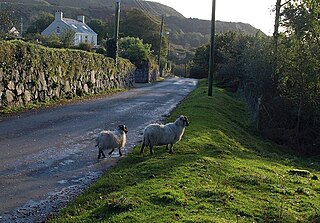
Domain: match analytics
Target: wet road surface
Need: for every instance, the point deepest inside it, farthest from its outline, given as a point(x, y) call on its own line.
point(47, 157)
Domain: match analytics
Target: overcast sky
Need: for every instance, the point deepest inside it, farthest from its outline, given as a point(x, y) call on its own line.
point(255, 12)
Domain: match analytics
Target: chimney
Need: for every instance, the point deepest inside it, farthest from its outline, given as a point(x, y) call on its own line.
point(58, 15)
point(80, 18)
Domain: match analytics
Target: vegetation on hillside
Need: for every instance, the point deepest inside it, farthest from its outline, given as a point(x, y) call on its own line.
point(104, 10)
point(280, 80)
point(135, 50)
point(221, 171)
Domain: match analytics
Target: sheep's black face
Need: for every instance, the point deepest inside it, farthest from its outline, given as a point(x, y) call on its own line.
point(123, 128)
point(185, 120)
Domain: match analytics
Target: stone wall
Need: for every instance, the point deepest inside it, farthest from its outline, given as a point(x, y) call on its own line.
point(146, 73)
point(30, 73)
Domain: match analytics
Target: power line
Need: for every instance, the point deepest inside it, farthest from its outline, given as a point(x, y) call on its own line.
point(152, 9)
point(146, 12)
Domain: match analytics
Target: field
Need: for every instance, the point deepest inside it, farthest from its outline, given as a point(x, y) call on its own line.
point(221, 171)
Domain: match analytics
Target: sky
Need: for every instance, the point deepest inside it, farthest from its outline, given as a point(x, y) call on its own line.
point(257, 13)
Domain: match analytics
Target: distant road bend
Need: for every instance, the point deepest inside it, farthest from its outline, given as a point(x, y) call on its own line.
point(47, 156)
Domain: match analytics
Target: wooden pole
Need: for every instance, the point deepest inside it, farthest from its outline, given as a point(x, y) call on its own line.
point(211, 57)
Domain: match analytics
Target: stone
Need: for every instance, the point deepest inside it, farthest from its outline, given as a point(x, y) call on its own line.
point(9, 96)
point(85, 88)
point(11, 86)
point(27, 96)
point(92, 77)
point(19, 88)
point(1, 74)
point(42, 82)
point(16, 75)
point(67, 87)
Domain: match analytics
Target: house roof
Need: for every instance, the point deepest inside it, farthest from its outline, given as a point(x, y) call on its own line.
point(78, 26)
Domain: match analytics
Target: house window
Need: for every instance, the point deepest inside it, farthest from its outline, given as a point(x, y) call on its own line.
point(58, 30)
point(74, 26)
point(86, 38)
point(85, 27)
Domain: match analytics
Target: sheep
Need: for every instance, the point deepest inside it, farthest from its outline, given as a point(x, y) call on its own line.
point(111, 140)
point(169, 134)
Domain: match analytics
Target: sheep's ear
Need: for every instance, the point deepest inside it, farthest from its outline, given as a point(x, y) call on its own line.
point(123, 128)
point(186, 120)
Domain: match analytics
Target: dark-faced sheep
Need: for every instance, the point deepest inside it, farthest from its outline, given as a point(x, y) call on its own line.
point(168, 134)
point(110, 140)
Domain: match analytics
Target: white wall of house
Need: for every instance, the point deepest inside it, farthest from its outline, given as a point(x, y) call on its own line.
point(59, 25)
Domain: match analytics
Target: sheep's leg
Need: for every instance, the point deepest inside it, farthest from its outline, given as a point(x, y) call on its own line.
point(151, 149)
point(167, 147)
point(104, 156)
point(142, 148)
point(111, 152)
point(101, 153)
point(120, 153)
point(171, 148)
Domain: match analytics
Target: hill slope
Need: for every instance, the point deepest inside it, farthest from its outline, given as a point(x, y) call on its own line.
point(104, 9)
point(220, 172)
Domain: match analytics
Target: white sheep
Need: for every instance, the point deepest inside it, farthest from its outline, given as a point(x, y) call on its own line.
point(111, 140)
point(169, 134)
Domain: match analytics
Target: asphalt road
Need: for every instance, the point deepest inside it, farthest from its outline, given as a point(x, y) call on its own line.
point(47, 156)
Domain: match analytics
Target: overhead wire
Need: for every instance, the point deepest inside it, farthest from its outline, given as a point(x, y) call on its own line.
point(152, 9)
point(146, 12)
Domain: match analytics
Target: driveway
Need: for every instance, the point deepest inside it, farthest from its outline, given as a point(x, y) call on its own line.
point(47, 157)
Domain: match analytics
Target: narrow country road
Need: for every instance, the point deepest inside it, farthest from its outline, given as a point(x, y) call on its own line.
point(47, 156)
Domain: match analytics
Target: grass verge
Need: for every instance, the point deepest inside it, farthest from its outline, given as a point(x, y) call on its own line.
point(221, 171)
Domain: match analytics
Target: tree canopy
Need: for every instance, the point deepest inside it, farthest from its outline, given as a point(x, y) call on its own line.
point(135, 50)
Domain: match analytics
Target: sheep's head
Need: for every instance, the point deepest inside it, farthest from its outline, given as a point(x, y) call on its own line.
point(123, 128)
point(184, 120)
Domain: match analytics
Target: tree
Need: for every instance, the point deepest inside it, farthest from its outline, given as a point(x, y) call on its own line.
point(40, 22)
point(53, 41)
point(100, 27)
point(200, 64)
point(135, 50)
point(67, 38)
point(6, 19)
point(145, 26)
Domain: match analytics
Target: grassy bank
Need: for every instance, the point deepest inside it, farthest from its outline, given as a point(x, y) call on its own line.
point(221, 171)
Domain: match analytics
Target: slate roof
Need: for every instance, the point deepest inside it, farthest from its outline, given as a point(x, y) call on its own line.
point(78, 26)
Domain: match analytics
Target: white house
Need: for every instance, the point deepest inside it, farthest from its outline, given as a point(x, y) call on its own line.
point(14, 31)
point(83, 33)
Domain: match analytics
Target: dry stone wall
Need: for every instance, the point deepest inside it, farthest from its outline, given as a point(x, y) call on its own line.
point(31, 73)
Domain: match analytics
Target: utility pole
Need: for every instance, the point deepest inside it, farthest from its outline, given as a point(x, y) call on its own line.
point(161, 34)
point(21, 26)
point(116, 30)
point(211, 57)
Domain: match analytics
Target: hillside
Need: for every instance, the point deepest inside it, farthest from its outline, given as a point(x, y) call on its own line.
point(104, 9)
point(221, 171)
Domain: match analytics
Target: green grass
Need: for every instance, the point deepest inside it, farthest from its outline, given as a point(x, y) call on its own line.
point(221, 171)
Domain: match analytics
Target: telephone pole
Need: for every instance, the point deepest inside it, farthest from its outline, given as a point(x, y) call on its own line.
point(21, 26)
point(161, 34)
point(116, 29)
point(211, 57)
